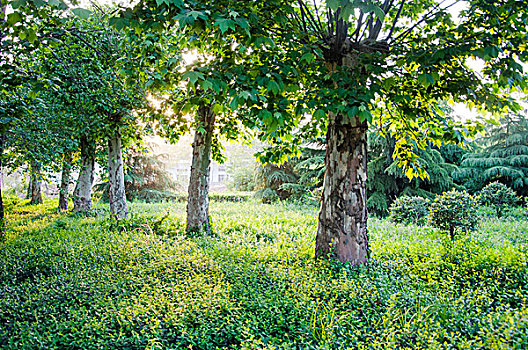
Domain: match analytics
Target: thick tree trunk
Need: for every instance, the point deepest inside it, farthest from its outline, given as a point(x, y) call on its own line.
point(36, 194)
point(342, 230)
point(198, 201)
point(82, 195)
point(65, 181)
point(116, 178)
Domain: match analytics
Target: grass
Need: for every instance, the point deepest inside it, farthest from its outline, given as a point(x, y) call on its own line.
point(70, 282)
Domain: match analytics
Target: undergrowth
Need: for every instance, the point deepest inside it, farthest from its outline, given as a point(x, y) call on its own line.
point(70, 282)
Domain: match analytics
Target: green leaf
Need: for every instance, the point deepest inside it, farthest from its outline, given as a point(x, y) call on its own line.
point(379, 12)
point(206, 85)
point(273, 87)
point(225, 24)
point(82, 13)
point(13, 18)
point(18, 3)
point(117, 23)
point(31, 36)
point(308, 57)
point(319, 114)
point(39, 3)
point(332, 4)
point(193, 76)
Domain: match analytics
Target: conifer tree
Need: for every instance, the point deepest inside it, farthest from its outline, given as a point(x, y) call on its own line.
point(503, 156)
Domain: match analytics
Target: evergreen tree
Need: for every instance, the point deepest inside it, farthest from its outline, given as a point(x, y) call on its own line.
point(503, 156)
point(387, 181)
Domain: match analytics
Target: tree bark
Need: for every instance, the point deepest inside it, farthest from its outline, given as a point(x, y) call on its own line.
point(198, 200)
point(29, 187)
point(36, 193)
point(342, 229)
point(65, 181)
point(116, 178)
point(82, 195)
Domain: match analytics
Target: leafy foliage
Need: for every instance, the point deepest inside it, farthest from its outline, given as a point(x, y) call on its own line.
point(409, 210)
point(503, 156)
point(145, 176)
point(387, 181)
point(499, 196)
point(454, 211)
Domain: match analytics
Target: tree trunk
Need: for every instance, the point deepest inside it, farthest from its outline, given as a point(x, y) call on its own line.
point(342, 229)
point(65, 181)
point(29, 187)
point(198, 200)
point(36, 194)
point(82, 195)
point(116, 178)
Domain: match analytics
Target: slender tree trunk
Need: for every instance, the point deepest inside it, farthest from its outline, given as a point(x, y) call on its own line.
point(65, 181)
point(29, 187)
point(36, 193)
point(116, 178)
point(342, 229)
point(82, 195)
point(198, 200)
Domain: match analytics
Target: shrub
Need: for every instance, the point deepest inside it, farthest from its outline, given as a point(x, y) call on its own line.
point(267, 195)
point(243, 180)
point(454, 210)
point(409, 210)
point(498, 196)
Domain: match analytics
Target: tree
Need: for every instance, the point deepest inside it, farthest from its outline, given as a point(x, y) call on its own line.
point(411, 56)
point(387, 181)
point(503, 156)
point(353, 61)
point(208, 90)
point(499, 196)
point(454, 211)
point(89, 64)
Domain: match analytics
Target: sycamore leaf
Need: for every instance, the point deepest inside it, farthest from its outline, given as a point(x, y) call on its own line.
point(117, 23)
point(206, 84)
point(273, 87)
point(308, 57)
point(18, 3)
point(193, 76)
point(225, 24)
point(13, 18)
point(82, 13)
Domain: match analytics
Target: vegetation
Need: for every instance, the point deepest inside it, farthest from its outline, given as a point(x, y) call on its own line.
point(454, 211)
point(503, 156)
point(328, 88)
point(70, 282)
point(409, 210)
point(499, 196)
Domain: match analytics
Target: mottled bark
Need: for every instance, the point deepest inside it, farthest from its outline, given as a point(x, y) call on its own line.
point(36, 193)
point(116, 178)
point(342, 229)
point(82, 195)
point(198, 200)
point(65, 181)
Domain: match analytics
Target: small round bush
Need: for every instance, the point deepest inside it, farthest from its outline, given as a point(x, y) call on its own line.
point(454, 211)
point(409, 210)
point(498, 196)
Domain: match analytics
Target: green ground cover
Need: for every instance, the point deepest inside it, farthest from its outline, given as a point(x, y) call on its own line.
point(72, 282)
